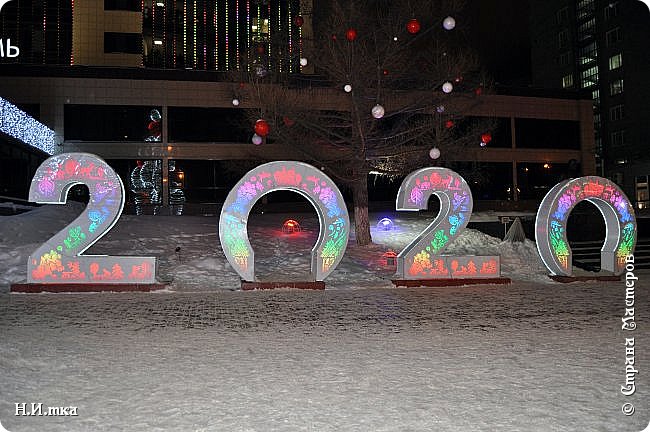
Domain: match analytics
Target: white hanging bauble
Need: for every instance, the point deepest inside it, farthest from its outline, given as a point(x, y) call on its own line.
point(449, 23)
point(434, 153)
point(347, 88)
point(257, 140)
point(378, 111)
point(447, 87)
point(235, 102)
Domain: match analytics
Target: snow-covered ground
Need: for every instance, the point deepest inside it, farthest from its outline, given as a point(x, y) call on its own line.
point(201, 264)
point(361, 356)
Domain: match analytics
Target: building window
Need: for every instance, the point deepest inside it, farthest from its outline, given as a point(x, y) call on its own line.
point(589, 77)
point(128, 43)
point(616, 113)
point(588, 53)
point(123, 5)
point(597, 122)
point(586, 29)
point(585, 8)
point(618, 138)
point(567, 81)
point(564, 58)
point(563, 38)
point(616, 87)
point(611, 10)
point(613, 36)
point(615, 61)
point(562, 15)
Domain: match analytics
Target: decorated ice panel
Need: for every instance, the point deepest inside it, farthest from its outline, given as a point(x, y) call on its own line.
point(553, 214)
point(60, 259)
point(299, 177)
point(422, 258)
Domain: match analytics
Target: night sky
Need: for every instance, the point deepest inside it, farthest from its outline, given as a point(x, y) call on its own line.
point(499, 30)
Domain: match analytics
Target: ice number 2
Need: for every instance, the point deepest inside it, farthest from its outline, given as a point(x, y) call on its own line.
point(60, 259)
point(422, 258)
point(553, 214)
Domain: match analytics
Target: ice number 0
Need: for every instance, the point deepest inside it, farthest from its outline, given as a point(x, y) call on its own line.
point(553, 214)
point(298, 177)
point(60, 259)
point(422, 258)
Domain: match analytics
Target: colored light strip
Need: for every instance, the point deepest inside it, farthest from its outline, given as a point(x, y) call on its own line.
point(268, 40)
point(216, 37)
point(227, 40)
point(185, 33)
point(248, 31)
point(44, 28)
point(290, 18)
point(195, 27)
point(20, 125)
point(72, 50)
point(281, 57)
point(205, 37)
point(237, 31)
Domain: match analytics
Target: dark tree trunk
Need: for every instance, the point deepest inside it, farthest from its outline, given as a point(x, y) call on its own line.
point(361, 221)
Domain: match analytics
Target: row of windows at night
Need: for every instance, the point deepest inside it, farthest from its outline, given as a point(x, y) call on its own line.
point(586, 31)
point(230, 125)
point(586, 8)
point(589, 76)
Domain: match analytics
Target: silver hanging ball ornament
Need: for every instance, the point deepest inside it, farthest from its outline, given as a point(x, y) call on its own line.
point(378, 111)
point(434, 153)
point(447, 87)
point(257, 140)
point(347, 88)
point(235, 102)
point(449, 23)
point(303, 61)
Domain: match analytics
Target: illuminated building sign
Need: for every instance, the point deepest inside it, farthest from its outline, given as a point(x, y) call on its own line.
point(553, 214)
point(299, 177)
point(60, 259)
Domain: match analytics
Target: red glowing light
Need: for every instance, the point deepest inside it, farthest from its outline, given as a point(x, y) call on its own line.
point(291, 226)
point(351, 34)
point(262, 127)
point(298, 21)
point(486, 138)
point(413, 26)
point(449, 124)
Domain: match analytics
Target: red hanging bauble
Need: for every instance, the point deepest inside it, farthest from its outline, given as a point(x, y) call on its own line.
point(385, 72)
point(449, 124)
point(486, 138)
point(298, 21)
point(478, 91)
point(351, 34)
point(413, 26)
point(261, 128)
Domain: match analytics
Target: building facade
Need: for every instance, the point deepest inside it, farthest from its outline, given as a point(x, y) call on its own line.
point(145, 85)
point(600, 47)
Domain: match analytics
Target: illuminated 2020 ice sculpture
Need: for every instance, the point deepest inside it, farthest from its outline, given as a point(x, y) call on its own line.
point(553, 214)
point(299, 177)
point(422, 258)
point(60, 259)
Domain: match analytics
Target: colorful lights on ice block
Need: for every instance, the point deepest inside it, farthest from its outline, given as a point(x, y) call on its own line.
point(291, 226)
point(298, 177)
point(60, 259)
point(553, 214)
point(385, 224)
point(422, 258)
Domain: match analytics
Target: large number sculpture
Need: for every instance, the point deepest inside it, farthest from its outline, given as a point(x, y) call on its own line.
point(553, 214)
point(299, 177)
point(422, 258)
point(60, 259)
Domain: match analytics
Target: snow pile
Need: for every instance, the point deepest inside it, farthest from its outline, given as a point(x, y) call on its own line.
point(190, 256)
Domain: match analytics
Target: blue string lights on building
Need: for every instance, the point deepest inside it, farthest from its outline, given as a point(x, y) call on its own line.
point(20, 125)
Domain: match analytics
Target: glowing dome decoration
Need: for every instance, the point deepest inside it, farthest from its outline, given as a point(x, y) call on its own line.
point(385, 224)
point(60, 259)
point(553, 214)
point(298, 177)
point(22, 126)
point(291, 226)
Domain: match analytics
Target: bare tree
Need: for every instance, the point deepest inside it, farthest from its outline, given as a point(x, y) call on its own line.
point(383, 106)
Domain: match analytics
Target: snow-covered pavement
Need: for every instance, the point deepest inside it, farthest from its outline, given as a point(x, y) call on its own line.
point(525, 357)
